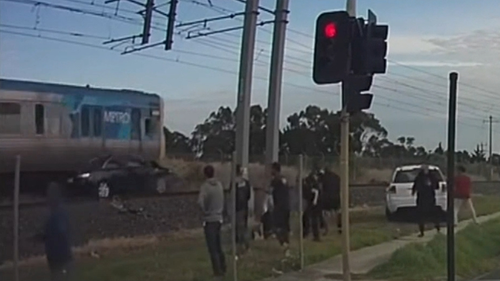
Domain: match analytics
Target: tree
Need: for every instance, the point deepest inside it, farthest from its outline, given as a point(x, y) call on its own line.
point(217, 134)
point(176, 142)
point(478, 155)
point(317, 131)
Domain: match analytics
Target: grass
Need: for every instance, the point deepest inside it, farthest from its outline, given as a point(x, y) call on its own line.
point(477, 250)
point(184, 257)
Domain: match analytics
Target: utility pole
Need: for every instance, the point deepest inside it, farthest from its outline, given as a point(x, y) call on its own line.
point(245, 82)
point(344, 163)
point(490, 145)
point(275, 82)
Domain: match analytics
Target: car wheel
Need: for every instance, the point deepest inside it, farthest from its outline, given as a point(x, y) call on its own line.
point(161, 185)
point(103, 190)
point(390, 216)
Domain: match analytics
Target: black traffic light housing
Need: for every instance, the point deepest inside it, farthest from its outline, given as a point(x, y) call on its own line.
point(375, 45)
point(332, 51)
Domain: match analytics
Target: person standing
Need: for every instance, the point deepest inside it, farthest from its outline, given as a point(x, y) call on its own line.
point(330, 198)
point(243, 194)
point(462, 194)
point(425, 186)
point(56, 236)
point(313, 212)
point(211, 201)
point(281, 211)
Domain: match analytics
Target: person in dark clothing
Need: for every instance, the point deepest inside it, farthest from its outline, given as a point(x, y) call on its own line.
point(313, 213)
point(330, 199)
point(56, 236)
point(267, 217)
point(425, 186)
point(243, 194)
point(281, 204)
point(211, 201)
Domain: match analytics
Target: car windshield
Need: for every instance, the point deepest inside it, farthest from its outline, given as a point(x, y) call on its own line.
point(407, 176)
point(96, 163)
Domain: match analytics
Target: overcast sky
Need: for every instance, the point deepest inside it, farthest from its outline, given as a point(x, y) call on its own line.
point(427, 40)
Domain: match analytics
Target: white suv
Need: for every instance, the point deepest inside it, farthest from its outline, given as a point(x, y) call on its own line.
point(398, 193)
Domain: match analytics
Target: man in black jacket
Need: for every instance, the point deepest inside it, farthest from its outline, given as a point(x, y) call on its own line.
point(313, 213)
point(243, 194)
point(330, 185)
point(425, 186)
point(281, 202)
point(56, 236)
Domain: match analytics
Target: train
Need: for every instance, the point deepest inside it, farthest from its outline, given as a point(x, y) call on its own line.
point(57, 129)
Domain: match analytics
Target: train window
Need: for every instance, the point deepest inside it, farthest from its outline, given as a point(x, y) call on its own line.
point(75, 121)
point(10, 118)
point(147, 128)
point(136, 124)
point(85, 122)
point(97, 122)
point(39, 119)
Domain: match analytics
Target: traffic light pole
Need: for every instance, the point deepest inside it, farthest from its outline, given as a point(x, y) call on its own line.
point(344, 162)
point(450, 181)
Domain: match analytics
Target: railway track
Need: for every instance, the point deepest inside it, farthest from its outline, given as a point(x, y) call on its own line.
point(35, 202)
point(41, 201)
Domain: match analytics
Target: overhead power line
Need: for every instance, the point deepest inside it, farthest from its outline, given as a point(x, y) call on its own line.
point(414, 109)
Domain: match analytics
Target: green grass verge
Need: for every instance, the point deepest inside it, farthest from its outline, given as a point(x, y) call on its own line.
point(477, 251)
point(186, 259)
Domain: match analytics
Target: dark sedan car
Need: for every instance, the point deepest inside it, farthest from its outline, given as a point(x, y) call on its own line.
point(123, 176)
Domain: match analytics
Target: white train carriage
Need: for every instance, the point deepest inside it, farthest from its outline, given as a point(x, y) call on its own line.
point(60, 128)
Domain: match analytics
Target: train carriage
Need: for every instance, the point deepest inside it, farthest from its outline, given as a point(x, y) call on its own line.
point(60, 128)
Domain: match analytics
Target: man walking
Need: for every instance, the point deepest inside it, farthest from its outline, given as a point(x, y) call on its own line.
point(462, 194)
point(330, 185)
point(281, 202)
point(425, 186)
point(211, 201)
point(313, 212)
point(243, 194)
point(56, 237)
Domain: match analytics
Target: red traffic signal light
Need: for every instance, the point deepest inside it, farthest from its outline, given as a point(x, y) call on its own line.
point(331, 47)
point(330, 30)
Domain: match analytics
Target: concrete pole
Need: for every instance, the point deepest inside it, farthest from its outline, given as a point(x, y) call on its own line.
point(16, 217)
point(275, 82)
point(344, 162)
point(245, 82)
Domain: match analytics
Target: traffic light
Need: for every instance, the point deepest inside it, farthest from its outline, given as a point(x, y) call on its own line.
point(376, 48)
point(331, 63)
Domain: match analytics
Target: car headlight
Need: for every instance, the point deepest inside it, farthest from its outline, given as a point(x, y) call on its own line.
point(84, 175)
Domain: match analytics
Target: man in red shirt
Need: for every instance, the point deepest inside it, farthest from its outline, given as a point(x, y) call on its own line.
point(462, 193)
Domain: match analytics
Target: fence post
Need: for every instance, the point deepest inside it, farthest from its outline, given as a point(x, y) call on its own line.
point(16, 217)
point(233, 217)
point(301, 212)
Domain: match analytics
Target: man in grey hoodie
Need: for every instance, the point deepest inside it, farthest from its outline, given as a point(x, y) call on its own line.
point(211, 201)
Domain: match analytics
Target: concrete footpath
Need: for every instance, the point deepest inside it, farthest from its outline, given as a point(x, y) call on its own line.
point(365, 259)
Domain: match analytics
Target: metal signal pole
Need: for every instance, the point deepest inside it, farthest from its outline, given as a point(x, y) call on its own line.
point(450, 182)
point(245, 82)
point(344, 163)
point(275, 81)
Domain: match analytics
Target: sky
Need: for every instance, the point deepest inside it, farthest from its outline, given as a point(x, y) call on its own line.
point(427, 40)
